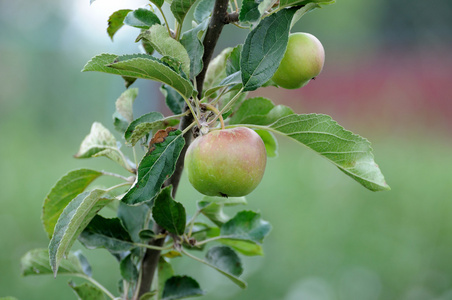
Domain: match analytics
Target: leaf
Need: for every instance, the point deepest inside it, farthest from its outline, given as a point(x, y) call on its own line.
point(106, 233)
point(128, 269)
point(246, 225)
point(192, 42)
point(124, 109)
point(116, 21)
point(287, 3)
point(158, 3)
point(148, 296)
point(233, 61)
point(180, 8)
point(74, 218)
point(66, 189)
point(271, 145)
point(216, 71)
point(168, 213)
point(351, 153)
point(144, 124)
point(140, 66)
point(173, 99)
point(87, 291)
point(203, 10)
point(164, 44)
point(259, 111)
point(227, 262)
point(249, 12)
point(212, 208)
point(178, 287)
point(133, 218)
point(156, 166)
point(141, 18)
point(264, 49)
point(244, 247)
point(302, 11)
point(165, 272)
point(36, 262)
point(100, 142)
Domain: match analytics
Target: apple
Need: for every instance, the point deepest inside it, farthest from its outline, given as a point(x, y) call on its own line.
point(227, 162)
point(302, 61)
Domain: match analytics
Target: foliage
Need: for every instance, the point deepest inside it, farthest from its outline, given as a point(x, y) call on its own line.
point(149, 221)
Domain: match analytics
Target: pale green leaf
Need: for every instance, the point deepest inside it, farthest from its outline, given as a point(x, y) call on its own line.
point(74, 218)
point(227, 262)
point(66, 189)
point(246, 225)
point(259, 111)
point(192, 42)
point(203, 10)
point(87, 291)
point(351, 153)
point(145, 124)
point(36, 262)
point(141, 18)
point(271, 145)
point(164, 44)
point(124, 109)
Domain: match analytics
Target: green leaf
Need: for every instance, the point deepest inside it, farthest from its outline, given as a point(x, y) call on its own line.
point(133, 218)
point(158, 3)
point(144, 124)
point(302, 11)
point(164, 44)
point(212, 208)
point(100, 142)
point(192, 42)
point(168, 213)
point(270, 142)
point(140, 66)
point(180, 8)
point(264, 49)
point(233, 61)
point(165, 272)
point(351, 153)
point(106, 233)
point(156, 166)
point(87, 291)
point(203, 10)
point(148, 296)
point(128, 269)
point(141, 18)
point(178, 287)
point(244, 247)
point(246, 225)
point(287, 3)
point(259, 111)
point(116, 21)
point(36, 262)
point(249, 12)
point(74, 218)
point(216, 71)
point(8, 298)
point(173, 99)
point(66, 189)
point(227, 262)
point(124, 109)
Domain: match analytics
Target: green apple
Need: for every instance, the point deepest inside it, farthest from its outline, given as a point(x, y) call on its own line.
point(227, 163)
point(302, 61)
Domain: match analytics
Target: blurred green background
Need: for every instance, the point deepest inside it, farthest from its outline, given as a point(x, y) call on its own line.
point(387, 77)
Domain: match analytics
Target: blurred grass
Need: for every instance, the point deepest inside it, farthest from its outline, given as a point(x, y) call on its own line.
point(331, 238)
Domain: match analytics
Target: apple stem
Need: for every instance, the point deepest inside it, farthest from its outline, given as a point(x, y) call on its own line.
point(217, 113)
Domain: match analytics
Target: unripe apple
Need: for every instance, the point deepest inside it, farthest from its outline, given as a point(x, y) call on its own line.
point(227, 163)
point(302, 61)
